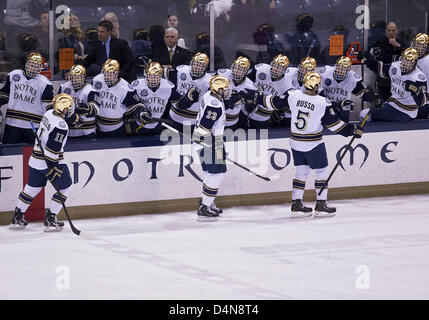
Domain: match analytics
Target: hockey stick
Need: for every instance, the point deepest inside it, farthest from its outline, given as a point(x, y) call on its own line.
point(74, 229)
point(341, 158)
point(165, 124)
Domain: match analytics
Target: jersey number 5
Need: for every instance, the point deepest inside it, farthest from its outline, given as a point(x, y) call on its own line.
point(301, 124)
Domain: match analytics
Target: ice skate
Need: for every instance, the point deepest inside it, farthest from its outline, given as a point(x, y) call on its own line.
point(18, 221)
point(298, 210)
point(51, 223)
point(213, 208)
point(322, 209)
point(206, 214)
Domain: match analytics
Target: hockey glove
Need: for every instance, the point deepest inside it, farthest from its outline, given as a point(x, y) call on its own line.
point(86, 109)
point(54, 174)
point(418, 93)
point(143, 114)
point(74, 121)
point(358, 131)
point(410, 87)
point(193, 95)
point(347, 105)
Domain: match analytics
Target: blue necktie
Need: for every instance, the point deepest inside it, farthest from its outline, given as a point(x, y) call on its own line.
point(103, 53)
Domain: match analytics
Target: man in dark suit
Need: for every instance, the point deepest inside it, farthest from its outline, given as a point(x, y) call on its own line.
point(169, 54)
point(108, 47)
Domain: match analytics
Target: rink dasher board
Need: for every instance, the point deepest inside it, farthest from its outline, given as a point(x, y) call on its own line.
point(160, 173)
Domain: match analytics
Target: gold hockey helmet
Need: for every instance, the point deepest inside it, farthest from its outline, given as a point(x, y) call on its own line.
point(199, 64)
point(62, 103)
point(408, 60)
point(420, 43)
point(312, 80)
point(34, 64)
point(279, 65)
point(219, 85)
point(153, 74)
point(77, 75)
point(110, 70)
point(342, 68)
point(306, 65)
point(240, 67)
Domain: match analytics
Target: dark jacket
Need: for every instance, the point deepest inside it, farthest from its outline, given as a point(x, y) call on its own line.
point(120, 51)
point(180, 56)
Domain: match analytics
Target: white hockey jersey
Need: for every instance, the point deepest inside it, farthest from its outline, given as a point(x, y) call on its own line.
point(211, 117)
point(308, 116)
point(114, 102)
point(156, 101)
point(27, 99)
point(423, 64)
point(232, 114)
point(184, 83)
point(269, 87)
point(52, 132)
point(401, 99)
point(337, 91)
point(80, 96)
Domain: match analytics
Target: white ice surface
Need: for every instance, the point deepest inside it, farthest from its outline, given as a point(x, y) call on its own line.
point(373, 249)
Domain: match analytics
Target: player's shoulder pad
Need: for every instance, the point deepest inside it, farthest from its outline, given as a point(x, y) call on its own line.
point(182, 67)
point(135, 83)
point(43, 79)
point(167, 83)
point(213, 102)
point(322, 70)
point(328, 102)
point(221, 71)
point(421, 76)
point(62, 125)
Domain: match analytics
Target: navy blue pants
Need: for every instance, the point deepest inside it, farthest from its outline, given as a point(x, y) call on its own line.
point(37, 178)
point(388, 113)
point(316, 158)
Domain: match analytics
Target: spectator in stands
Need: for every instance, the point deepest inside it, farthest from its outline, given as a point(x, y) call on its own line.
point(111, 16)
point(387, 50)
point(73, 38)
point(19, 19)
point(109, 47)
point(170, 55)
point(27, 43)
point(42, 33)
point(91, 36)
point(202, 43)
point(173, 22)
point(265, 35)
point(141, 48)
point(325, 58)
point(303, 42)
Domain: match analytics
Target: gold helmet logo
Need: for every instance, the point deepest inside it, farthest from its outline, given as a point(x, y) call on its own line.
point(422, 38)
point(308, 63)
point(77, 70)
point(242, 62)
point(281, 60)
point(153, 68)
point(110, 65)
point(312, 80)
point(35, 57)
point(62, 103)
point(410, 54)
point(201, 58)
point(218, 83)
point(344, 61)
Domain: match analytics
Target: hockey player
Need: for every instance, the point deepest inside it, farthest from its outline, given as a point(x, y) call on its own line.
point(52, 132)
point(408, 88)
point(209, 130)
point(86, 98)
point(185, 77)
point(339, 82)
point(310, 112)
point(27, 94)
point(157, 94)
point(270, 80)
point(421, 44)
point(237, 106)
point(118, 98)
